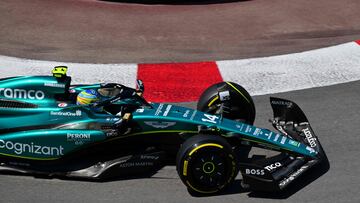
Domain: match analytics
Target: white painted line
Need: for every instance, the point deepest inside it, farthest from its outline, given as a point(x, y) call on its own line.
point(81, 73)
point(321, 67)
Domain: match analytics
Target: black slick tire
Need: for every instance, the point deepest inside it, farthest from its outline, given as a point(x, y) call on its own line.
point(206, 164)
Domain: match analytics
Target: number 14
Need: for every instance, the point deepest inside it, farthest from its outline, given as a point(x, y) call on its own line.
point(210, 118)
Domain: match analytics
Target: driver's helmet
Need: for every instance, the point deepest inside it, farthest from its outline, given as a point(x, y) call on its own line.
point(88, 97)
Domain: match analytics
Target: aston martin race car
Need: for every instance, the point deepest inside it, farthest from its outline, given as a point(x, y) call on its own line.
point(43, 131)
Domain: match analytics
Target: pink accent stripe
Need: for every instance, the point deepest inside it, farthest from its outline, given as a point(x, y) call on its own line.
point(177, 82)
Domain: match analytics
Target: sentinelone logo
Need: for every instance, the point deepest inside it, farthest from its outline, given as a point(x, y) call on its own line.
point(22, 94)
point(61, 113)
point(20, 148)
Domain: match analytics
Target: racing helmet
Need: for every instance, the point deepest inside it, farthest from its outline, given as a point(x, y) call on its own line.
point(87, 97)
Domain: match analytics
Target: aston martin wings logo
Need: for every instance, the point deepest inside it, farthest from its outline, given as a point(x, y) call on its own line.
point(157, 124)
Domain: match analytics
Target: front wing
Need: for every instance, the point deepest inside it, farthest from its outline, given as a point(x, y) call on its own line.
point(278, 172)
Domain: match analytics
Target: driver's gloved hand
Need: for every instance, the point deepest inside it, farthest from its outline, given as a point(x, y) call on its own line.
point(122, 126)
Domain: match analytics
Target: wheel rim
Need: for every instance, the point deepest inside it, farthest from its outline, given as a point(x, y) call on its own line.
point(209, 169)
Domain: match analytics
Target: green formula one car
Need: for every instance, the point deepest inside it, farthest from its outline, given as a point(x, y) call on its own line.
point(43, 131)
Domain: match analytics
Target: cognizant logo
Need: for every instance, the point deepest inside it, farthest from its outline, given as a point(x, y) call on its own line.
point(20, 148)
point(22, 94)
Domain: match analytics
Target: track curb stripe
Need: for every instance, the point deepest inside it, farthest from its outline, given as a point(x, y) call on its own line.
point(177, 82)
point(183, 82)
point(316, 68)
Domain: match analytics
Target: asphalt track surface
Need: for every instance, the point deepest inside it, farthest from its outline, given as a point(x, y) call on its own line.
point(94, 31)
point(333, 112)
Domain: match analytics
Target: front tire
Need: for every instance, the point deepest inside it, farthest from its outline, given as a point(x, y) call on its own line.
point(242, 106)
point(206, 164)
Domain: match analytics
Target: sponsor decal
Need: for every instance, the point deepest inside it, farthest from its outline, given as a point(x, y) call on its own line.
point(282, 103)
point(167, 110)
point(309, 137)
point(293, 176)
point(115, 100)
point(62, 105)
point(273, 166)
point(268, 135)
point(112, 119)
point(54, 85)
point(78, 138)
point(248, 129)
point(252, 171)
point(277, 137)
point(69, 114)
point(135, 164)
point(140, 110)
point(149, 157)
point(186, 114)
point(20, 148)
point(18, 164)
point(294, 143)
point(210, 118)
point(193, 115)
point(158, 124)
point(112, 133)
point(240, 126)
point(22, 94)
point(283, 139)
point(257, 131)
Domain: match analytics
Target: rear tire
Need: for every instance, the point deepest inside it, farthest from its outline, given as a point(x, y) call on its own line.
point(206, 164)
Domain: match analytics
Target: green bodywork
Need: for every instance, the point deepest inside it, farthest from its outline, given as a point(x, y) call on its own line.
point(54, 128)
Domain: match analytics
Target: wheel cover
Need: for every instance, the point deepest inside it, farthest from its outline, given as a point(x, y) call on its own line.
point(209, 168)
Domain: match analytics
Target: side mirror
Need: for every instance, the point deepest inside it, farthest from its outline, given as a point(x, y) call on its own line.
point(140, 86)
